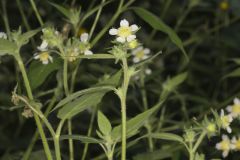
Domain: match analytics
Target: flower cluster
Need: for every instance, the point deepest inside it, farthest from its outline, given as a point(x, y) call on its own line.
point(73, 47)
point(226, 144)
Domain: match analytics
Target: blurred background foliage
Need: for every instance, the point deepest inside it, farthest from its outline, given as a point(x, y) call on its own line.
point(210, 33)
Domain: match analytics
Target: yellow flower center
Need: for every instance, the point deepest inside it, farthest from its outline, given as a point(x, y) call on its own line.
point(224, 5)
point(225, 121)
point(124, 31)
point(140, 54)
point(237, 144)
point(211, 128)
point(133, 44)
point(44, 56)
point(236, 109)
point(225, 145)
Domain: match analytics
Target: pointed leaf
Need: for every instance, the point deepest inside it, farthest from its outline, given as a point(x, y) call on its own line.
point(167, 136)
point(24, 38)
point(135, 123)
point(75, 95)
point(172, 83)
point(80, 104)
point(234, 73)
point(38, 72)
point(104, 124)
point(158, 24)
point(63, 10)
point(83, 139)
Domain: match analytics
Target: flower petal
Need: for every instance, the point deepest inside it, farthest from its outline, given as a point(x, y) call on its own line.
point(88, 52)
point(134, 27)
point(236, 101)
point(3, 35)
point(113, 31)
point(121, 39)
point(84, 37)
point(45, 62)
point(131, 38)
point(43, 46)
point(148, 71)
point(136, 59)
point(146, 51)
point(124, 23)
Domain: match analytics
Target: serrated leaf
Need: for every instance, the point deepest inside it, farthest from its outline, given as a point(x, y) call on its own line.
point(104, 124)
point(83, 139)
point(7, 47)
point(172, 83)
point(80, 93)
point(158, 24)
point(63, 10)
point(135, 123)
point(38, 72)
point(80, 104)
point(167, 136)
point(24, 38)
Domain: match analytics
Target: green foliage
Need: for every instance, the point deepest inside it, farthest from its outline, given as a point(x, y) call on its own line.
point(104, 124)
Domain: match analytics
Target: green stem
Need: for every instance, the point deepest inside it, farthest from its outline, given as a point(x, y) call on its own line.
point(70, 141)
point(36, 12)
point(200, 139)
point(145, 105)
point(89, 133)
point(125, 84)
point(5, 17)
point(65, 77)
point(38, 123)
point(96, 20)
point(36, 134)
point(56, 140)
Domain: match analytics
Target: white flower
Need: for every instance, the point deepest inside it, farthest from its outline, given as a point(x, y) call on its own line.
point(3, 35)
point(148, 71)
point(140, 54)
point(124, 32)
point(225, 145)
point(236, 143)
point(84, 38)
point(43, 46)
point(226, 121)
point(234, 109)
point(43, 55)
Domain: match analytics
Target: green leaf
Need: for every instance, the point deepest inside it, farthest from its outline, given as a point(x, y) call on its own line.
point(7, 47)
point(167, 136)
point(38, 72)
point(24, 38)
point(236, 60)
point(80, 104)
point(135, 123)
point(158, 24)
point(66, 12)
point(234, 73)
point(114, 80)
point(80, 93)
point(172, 83)
point(83, 139)
point(104, 124)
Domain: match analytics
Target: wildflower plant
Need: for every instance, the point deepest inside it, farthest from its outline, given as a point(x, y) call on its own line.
point(70, 74)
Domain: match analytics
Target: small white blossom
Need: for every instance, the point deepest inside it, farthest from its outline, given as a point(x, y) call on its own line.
point(225, 145)
point(226, 121)
point(3, 35)
point(148, 71)
point(43, 55)
point(236, 143)
point(124, 33)
point(84, 38)
point(140, 54)
point(234, 109)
